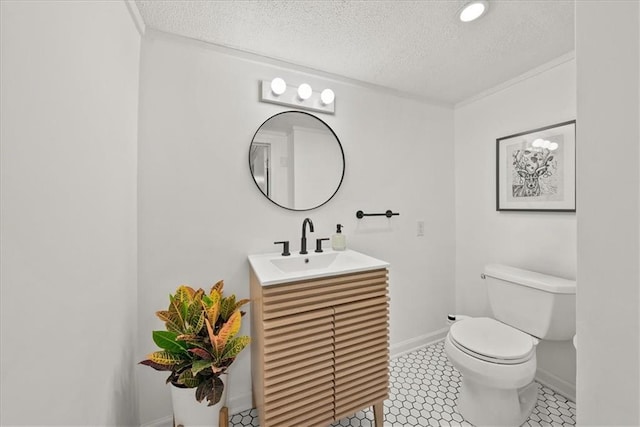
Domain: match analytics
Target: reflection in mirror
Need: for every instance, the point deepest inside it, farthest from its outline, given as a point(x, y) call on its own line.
point(259, 158)
point(296, 160)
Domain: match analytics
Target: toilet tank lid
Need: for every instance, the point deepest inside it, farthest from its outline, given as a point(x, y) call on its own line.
point(532, 279)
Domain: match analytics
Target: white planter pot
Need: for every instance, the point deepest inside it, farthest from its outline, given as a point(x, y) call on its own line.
point(188, 412)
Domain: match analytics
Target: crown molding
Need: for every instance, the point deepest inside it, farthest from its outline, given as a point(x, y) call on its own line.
point(570, 56)
point(134, 12)
point(289, 66)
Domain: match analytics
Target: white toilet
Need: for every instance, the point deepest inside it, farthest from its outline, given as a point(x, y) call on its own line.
point(497, 357)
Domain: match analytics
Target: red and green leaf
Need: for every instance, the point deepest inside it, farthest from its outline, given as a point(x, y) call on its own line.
point(194, 311)
point(175, 310)
point(201, 353)
point(157, 366)
point(234, 322)
point(235, 346)
point(192, 339)
point(187, 351)
point(210, 331)
point(241, 303)
point(217, 287)
point(167, 340)
point(211, 390)
point(166, 358)
point(213, 307)
point(185, 293)
point(199, 323)
point(171, 320)
point(187, 379)
point(227, 305)
point(199, 366)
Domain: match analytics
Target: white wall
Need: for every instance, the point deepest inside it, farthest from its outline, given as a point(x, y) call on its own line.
point(200, 214)
point(68, 216)
point(539, 241)
point(608, 74)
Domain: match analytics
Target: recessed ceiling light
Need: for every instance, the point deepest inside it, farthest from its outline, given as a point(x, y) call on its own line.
point(473, 10)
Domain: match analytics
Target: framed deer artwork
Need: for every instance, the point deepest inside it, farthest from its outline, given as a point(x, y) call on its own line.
point(536, 170)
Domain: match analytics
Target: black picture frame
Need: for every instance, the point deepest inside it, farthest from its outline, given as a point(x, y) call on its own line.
point(536, 169)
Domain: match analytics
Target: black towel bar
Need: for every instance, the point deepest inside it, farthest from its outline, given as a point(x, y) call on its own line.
point(388, 214)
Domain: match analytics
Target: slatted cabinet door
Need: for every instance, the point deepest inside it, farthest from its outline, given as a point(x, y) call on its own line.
point(361, 355)
point(298, 374)
point(319, 348)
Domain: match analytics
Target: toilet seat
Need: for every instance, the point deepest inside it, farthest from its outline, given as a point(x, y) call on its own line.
point(492, 341)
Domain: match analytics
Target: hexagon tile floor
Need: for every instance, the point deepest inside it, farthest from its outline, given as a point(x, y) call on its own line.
point(423, 388)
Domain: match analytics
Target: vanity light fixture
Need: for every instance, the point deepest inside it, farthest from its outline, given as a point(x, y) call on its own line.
point(278, 86)
point(473, 10)
point(327, 96)
point(304, 91)
point(277, 91)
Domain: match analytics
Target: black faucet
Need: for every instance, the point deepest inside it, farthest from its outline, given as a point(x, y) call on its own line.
point(303, 241)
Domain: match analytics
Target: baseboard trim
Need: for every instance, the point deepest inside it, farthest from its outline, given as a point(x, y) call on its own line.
point(556, 384)
point(416, 343)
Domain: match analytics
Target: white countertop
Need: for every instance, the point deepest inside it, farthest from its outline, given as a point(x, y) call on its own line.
point(301, 267)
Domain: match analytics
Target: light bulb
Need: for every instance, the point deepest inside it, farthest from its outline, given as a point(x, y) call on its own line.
point(473, 10)
point(304, 91)
point(553, 146)
point(278, 86)
point(327, 96)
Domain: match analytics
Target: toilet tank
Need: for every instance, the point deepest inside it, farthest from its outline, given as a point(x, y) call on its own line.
point(541, 305)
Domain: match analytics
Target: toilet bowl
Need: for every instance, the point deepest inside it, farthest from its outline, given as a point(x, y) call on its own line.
point(496, 357)
point(498, 365)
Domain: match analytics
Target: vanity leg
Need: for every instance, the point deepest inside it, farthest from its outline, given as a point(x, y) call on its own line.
point(378, 413)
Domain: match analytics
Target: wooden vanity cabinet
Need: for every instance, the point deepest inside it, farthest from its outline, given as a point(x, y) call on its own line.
point(320, 348)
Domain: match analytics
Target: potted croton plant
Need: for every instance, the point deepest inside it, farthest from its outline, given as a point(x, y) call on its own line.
point(198, 346)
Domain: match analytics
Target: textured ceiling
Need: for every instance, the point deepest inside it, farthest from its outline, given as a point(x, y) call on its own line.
point(416, 47)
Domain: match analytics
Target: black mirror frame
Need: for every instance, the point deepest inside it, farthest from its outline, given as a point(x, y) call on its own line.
point(344, 164)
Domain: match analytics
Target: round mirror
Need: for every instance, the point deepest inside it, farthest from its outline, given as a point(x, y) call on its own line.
point(296, 160)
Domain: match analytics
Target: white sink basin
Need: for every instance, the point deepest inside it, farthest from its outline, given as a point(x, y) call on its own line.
point(291, 264)
point(273, 268)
